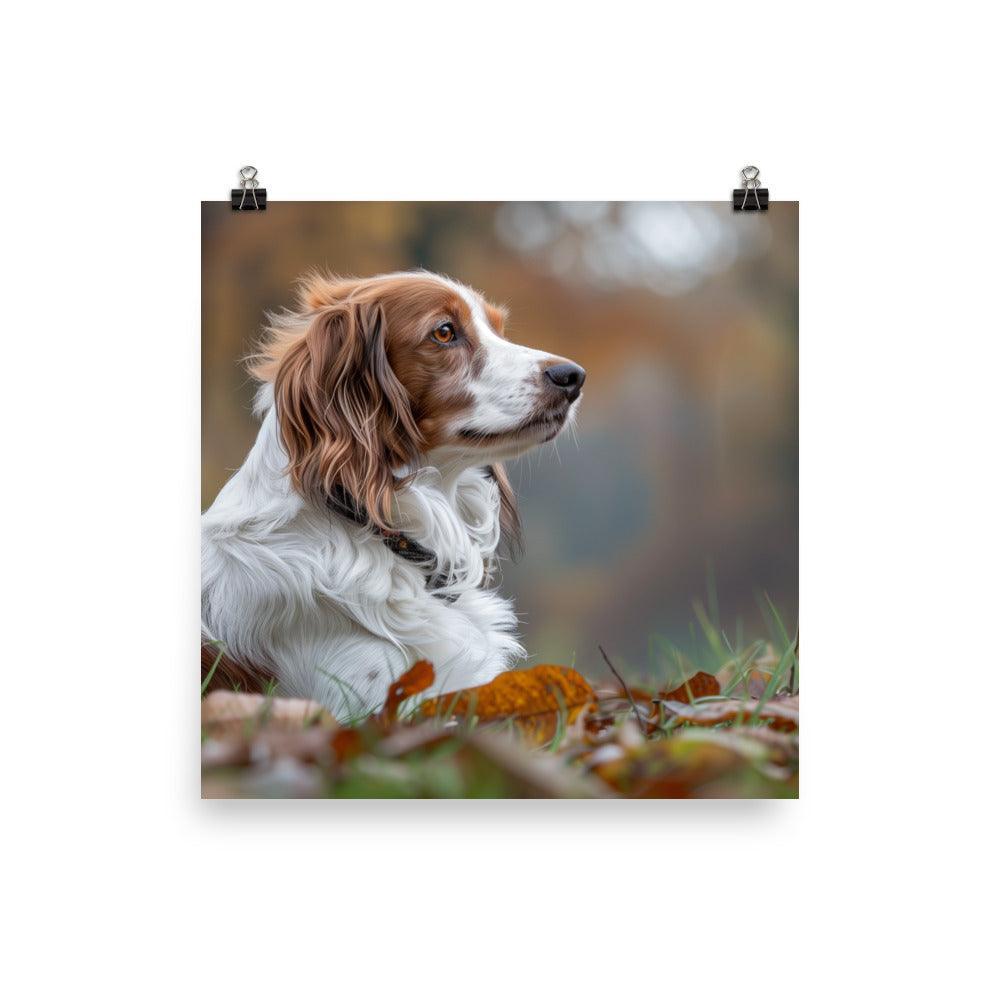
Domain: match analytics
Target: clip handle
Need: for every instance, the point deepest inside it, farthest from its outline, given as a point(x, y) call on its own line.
point(742, 201)
point(249, 196)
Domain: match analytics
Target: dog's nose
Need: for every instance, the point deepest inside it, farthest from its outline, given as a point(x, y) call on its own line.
point(568, 377)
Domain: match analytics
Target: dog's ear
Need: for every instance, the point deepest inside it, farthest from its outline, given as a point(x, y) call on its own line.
point(510, 520)
point(344, 417)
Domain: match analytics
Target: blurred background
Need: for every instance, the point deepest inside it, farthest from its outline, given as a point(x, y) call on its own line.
point(680, 486)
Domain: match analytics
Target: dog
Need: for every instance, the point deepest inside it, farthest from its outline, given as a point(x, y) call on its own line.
point(363, 530)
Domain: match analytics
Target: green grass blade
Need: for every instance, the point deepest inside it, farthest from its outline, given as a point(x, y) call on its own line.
point(211, 671)
point(772, 684)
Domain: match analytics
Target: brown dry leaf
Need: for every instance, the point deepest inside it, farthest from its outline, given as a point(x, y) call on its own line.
point(243, 730)
point(231, 713)
point(701, 685)
point(696, 762)
point(526, 774)
point(667, 768)
point(418, 678)
point(529, 697)
point(347, 743)
point(598, 724)
point(782, 747)
point(781, 712)
point(405, 740)
point(641, 708)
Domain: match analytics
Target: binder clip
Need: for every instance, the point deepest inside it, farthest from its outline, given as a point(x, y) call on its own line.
point(249, 196)
point(751, 197)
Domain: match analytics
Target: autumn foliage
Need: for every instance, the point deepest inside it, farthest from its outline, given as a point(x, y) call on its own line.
point(418, 678)
point(545, 731)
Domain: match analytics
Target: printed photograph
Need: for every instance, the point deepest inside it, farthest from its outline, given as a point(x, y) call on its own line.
point(499, 500)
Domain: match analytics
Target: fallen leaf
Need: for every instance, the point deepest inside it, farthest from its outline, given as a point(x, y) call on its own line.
point(232, 713)
point(782, 747)
point(597, 724)
point(347, 743)
point(697, 763)
point(224, 753)
point(781, 712)
point(701, 685)
point(641, 708)
point(280, 778)
point(404, 740)
point(645, 707)
point(418, 678)
point(530, 775)
point(533, 698)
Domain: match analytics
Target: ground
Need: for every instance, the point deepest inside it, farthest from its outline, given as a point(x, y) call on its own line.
point(729, 729)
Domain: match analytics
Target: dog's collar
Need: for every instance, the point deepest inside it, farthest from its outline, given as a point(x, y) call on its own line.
point(341, 502)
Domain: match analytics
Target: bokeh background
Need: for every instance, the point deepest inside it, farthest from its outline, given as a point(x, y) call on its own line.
point(680, 486)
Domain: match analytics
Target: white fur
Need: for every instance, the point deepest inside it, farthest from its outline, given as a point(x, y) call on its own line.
point(507, 390)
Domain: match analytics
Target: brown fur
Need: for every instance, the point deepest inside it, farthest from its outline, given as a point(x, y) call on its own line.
point(224, 674)
point(497, 317)
point(360, 390)
point(510, 520)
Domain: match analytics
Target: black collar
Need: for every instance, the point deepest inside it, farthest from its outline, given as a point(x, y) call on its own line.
point(341, 502)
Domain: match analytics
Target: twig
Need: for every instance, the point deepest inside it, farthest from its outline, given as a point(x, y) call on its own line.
point(628, 694)
point(791, 668)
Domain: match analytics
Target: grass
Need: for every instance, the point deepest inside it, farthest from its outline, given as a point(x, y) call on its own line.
point(463, 756)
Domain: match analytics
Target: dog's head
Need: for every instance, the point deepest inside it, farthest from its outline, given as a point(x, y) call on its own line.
point(375, 377)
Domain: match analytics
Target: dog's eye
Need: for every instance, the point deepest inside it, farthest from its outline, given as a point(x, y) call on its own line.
point(443, 334)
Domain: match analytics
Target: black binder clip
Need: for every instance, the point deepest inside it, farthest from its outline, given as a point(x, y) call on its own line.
point(249, 197)
point(751, 197)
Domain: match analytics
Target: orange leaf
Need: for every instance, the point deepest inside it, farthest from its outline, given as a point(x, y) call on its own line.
point(347, 743)
point(700, 685)
point(418, 678)
point(533, 698)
